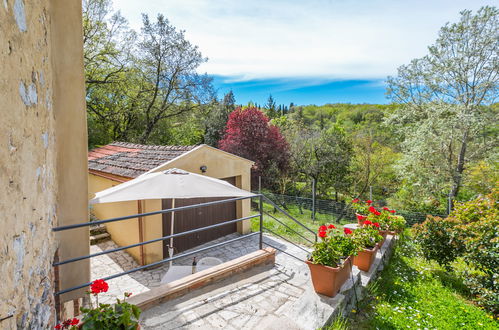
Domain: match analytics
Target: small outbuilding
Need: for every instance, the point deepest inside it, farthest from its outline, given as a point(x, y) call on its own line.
point(119, 162)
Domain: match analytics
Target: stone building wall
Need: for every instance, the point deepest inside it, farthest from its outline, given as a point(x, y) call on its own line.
point(30, 157)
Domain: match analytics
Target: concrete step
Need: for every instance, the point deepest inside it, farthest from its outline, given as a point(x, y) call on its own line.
point(99, 238)
point(98, 229)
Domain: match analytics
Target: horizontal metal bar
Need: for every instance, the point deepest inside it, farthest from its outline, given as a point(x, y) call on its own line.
point(178, 256)
point(128, 217)
point(282, 223)
point(285, 239)
point(153, 240)
point(289, 254)
point(288, 215)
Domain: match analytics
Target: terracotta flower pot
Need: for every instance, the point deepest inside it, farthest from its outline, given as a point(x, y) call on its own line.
point(365, 258)
point(383, 233)
point(328, 280)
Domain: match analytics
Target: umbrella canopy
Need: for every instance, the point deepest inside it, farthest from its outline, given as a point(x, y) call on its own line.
point(172, 183)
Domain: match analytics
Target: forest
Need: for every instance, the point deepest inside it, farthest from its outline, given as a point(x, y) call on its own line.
point(434, 144)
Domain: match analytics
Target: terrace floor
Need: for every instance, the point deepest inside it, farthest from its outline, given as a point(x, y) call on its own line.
point(141, 281)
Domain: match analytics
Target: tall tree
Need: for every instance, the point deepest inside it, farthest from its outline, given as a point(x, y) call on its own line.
point(444, 93)
point(137, 83)
point(216, 121)
point(270, 107)
point(250, 135)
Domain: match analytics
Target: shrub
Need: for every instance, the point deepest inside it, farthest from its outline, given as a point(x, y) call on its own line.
point(472, 232)
point(438, 240)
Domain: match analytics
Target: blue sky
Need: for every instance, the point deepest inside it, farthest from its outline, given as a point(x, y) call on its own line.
point(305, 52)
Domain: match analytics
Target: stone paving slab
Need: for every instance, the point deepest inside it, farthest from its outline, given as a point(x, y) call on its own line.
point(279, 297)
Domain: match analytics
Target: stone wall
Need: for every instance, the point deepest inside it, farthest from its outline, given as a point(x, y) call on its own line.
point(27, 166)
point(30, 151)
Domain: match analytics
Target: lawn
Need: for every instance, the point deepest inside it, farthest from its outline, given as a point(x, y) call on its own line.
point(304, 216)
point(412, 293)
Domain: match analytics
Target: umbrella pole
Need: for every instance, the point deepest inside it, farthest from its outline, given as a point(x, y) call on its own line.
point(170, 248)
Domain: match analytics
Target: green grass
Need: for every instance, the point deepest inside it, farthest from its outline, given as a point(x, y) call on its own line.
point(305, 217)
point(412, 293)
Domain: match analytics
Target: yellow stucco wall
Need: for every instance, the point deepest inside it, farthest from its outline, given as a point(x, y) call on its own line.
point(219, 165)
point(71, 138)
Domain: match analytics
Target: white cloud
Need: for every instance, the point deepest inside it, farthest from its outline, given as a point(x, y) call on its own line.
point(336, 39)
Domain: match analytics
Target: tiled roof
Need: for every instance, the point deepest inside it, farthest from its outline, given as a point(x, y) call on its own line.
point(131, 160)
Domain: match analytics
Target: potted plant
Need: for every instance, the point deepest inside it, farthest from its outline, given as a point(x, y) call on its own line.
point(330, 262)
point(121, 315)
point(361, 209)
point(389, 222)
point(367, 238)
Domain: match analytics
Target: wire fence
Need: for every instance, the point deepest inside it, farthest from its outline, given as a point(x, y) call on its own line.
point(338, 209)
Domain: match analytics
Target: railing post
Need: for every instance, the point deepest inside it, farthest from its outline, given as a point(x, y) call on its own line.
point(261, 221)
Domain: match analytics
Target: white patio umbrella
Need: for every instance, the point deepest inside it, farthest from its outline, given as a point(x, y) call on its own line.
point(173, 183)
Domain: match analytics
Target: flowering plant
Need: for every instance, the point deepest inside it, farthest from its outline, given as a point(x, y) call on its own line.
point(121, 315)
point(359, 206)
point(68, 324)
point(367, 236)
point(334, 246)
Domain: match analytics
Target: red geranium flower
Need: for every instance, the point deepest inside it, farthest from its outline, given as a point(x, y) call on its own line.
point(331, 226)
point(376, 225)
point(75, 321)
point(322, 228)
point(347, 231)
point(356, 200)
point(372, 209)
point(369, 201)
point(99, 286)
point(376, 212)
point(392, 211)
point(322, 234)
point(386, 208)
point(367, 223)
point(57, 326)
point(361, 217)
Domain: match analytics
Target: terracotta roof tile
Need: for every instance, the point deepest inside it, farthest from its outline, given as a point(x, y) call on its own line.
point(131, 160)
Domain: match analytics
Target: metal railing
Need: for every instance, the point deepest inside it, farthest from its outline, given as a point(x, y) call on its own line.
point(181, 255)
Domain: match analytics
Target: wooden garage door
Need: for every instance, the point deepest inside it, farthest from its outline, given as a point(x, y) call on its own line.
point(196, 218)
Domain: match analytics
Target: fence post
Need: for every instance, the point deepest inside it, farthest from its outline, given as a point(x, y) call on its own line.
point(371, 192)
point(261, 222)
point(313, 200)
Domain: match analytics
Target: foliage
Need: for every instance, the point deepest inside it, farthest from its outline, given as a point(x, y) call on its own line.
point(414, 293)
point(216, 120)
point(137, 82)
point(321, 155)
point(250, 135)
point(471, 232)
point(367, 236)
point(121, 315)
point(444, 119)
point(439, 240)
point(334, 246)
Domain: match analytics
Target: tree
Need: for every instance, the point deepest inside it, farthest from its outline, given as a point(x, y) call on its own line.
point(322, 155)
point(270, 107)
point(250, 135)
point(444, 94)
point(138, 84)
point(216, 121)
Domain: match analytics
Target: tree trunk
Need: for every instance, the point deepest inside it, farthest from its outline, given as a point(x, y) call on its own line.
point(458, 175)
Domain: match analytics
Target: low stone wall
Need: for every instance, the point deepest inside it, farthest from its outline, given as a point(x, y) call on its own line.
point(313, 311)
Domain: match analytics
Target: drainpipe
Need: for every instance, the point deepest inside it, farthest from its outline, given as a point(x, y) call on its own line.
point(141, 233)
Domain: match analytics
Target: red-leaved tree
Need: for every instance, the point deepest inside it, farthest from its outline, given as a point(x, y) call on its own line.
point(250, 135)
